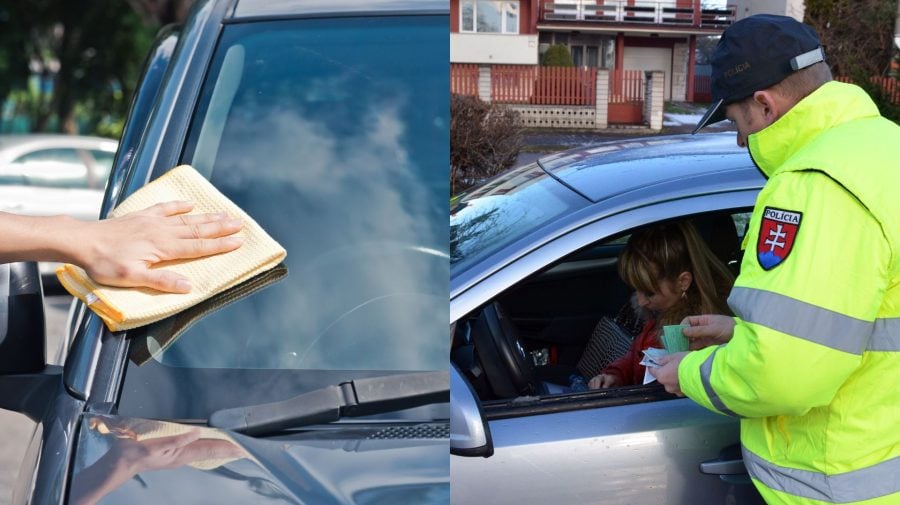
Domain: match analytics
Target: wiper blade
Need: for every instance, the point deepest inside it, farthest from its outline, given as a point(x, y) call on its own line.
point(359, 397)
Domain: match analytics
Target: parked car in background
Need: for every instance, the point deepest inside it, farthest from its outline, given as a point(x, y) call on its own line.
point(48, 174)
point(327, 122)
point(533, 271)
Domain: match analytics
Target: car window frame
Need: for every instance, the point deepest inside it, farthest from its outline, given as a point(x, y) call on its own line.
point(537, 262)
point(514, 269)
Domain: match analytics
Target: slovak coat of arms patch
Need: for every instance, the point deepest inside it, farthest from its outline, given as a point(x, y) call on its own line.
point(777, 234)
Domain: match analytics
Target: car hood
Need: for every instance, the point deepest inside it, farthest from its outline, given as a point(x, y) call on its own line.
point(137, 461)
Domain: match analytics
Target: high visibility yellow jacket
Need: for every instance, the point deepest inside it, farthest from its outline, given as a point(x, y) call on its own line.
point(813, 368)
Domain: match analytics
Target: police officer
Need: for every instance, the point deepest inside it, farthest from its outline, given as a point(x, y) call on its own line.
point(811, 363)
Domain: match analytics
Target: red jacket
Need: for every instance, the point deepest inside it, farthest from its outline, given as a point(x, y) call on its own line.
point(628, 367)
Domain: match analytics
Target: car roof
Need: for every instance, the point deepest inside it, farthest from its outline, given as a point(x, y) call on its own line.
point(14, 145)
point(652, 165)
point(247, 9)
point(611, 177)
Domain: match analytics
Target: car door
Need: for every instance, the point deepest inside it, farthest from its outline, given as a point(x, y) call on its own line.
point(609, 451)
point(627, 445)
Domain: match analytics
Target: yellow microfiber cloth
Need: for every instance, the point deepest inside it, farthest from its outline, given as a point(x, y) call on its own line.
point(126, 308)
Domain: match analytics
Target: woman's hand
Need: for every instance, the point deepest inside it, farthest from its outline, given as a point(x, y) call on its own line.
point(604, 381)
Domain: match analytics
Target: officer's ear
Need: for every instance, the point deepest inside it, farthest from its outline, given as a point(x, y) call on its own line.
point(770, 104)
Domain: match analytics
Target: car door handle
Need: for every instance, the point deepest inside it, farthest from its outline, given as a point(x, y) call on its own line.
point(723, 467)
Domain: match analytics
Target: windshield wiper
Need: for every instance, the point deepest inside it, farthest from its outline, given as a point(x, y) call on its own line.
point(360, 397)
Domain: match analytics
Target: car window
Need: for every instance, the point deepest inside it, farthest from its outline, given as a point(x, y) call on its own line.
point(103, 161)
point(560, 317)
point(330, 134)
point(504, 210)
point(58, 168)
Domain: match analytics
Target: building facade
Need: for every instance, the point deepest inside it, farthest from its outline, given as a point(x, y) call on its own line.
point(792, 8)
point(617, 35)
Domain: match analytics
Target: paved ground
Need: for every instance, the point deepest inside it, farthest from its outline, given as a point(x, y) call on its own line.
point(16, 429)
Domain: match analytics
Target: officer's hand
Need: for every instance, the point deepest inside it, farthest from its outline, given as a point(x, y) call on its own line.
point(708, 329)
point(667, 374)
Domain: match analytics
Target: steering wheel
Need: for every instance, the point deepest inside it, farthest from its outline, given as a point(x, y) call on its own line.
point(509, 369)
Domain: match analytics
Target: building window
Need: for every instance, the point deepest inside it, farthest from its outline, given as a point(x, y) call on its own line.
point(489, 16)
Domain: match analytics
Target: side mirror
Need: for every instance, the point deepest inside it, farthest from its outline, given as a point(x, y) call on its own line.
point(22, 332)
point(26, 382)
point(469, 431)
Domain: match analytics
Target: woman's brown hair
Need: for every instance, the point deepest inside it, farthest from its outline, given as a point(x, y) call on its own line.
point(663, 252)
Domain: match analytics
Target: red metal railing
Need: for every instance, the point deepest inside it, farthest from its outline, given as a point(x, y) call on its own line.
point(464, 79)
point(512, 83)
point(626, 96)
point(657, 12)
point(544, 85)
point(702, 89)
point(626, 86)
point(889, 84)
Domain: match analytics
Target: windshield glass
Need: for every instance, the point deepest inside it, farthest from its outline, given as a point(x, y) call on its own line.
point(503, 210)
point(332, 135)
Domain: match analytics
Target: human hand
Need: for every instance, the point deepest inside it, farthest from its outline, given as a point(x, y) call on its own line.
point(128, 457)
point(134, 457)
point(604, 380)
point(122, 251)
point(708, 329)
point(667, 373)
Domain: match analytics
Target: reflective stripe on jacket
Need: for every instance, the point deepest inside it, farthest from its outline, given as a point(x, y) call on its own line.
point(813, 368)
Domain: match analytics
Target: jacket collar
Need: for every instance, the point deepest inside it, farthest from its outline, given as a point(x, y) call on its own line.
point(832, 104)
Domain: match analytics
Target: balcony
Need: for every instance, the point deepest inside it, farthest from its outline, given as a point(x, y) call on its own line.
point(660, 13)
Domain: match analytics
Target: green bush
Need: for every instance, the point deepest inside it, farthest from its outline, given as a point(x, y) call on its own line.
point(557, 56)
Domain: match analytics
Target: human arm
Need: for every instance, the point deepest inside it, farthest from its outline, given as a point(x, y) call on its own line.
point(605, 380)
point(128, 457)
point(121, 251)
point(667, 373)
point(621, 371)
point(803, 324)
point(708, 329)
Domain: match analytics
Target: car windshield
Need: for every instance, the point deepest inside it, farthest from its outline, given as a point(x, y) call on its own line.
point(329, 134)
point(504, 210)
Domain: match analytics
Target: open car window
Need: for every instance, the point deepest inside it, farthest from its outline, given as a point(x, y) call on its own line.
point(574, 311)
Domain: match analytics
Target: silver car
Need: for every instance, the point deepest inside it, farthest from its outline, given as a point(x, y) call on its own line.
point(533, 270)
point(47, 174)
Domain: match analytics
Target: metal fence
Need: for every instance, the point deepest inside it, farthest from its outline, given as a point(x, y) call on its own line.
point(539, 85)
point(888, 84)
point(464, 79)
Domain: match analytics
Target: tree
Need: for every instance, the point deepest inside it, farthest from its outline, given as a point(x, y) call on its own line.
point(857, 35)
point(557, 55)
point(706, 46)
point(13, 61)
point(83, 59)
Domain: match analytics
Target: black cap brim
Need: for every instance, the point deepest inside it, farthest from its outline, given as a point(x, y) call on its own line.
point(714, 114)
